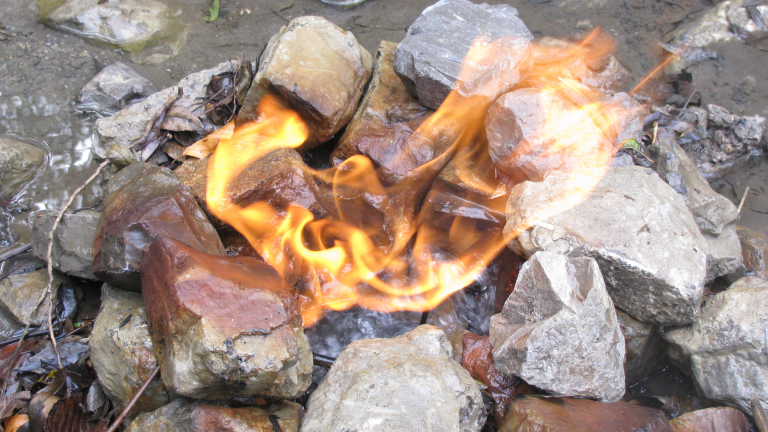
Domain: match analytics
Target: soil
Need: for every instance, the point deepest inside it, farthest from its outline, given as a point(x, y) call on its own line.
point(43, 69)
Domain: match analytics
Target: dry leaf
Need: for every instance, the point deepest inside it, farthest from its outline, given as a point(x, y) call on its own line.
point(175, 151)
point(12, 424)
point(205, 146)
point(67, 416)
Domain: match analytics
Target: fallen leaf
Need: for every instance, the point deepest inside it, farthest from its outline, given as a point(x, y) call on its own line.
point(205, 146)
point(67, 416)
point(12, 424)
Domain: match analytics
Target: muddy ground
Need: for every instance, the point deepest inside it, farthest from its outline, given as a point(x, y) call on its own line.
point(42, 70)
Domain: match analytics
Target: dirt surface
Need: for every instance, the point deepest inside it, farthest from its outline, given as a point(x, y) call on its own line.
point(42, 69)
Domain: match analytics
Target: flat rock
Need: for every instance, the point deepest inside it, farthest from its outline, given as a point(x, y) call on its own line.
point(386, 117)
point(407, 383)
point(720, 419)
point(319, 69)
point(19, 294)
point(430, 56)
point(72, 251)
point(650, 251)
point(121, 351)
point(221, 326)
point(726, 343)
point(754, 252)
point(114, 88)
point(558, 329)
point(149, 201)
point(644, 347)
point(19, 162)
point(725, 255)
point(533, 414)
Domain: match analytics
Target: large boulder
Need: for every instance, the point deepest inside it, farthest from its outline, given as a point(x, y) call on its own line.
point(223, 326)
point(719, 419)
point(20, 292)
point(319, 69)
point(121, 351)
point(19, 162)
point(644, 347)
point(114, 88)
point(145, 201)
point(726, 345)
point(558, 329)
point(430, 56)
point(386, 117)
point(72, 251)
point(407, 383)
point(650, 251)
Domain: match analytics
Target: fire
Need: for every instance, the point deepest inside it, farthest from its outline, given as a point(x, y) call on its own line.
point(395, 258)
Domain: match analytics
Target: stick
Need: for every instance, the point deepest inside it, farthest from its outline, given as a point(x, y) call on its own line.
point(743, 198)
point(15, 251)
point(135, 398)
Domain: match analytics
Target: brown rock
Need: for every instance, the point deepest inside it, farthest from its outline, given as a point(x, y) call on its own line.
point(286, 415)
point(386, 117)
point(223, 326)
point(319, 69)
point(720, 419)
point(478, 360)
point(150, 202)
point(754, 250)
point(533, 414)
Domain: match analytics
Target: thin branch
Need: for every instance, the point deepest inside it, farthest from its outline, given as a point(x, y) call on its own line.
point(135, 398)
point(743, 198)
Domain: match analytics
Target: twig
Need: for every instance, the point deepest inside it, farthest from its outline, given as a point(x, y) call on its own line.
point(135, 398)
point(15, 251)
point(323, 360)
point(743, 198)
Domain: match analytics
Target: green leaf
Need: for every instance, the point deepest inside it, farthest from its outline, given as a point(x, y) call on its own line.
point(213, 12)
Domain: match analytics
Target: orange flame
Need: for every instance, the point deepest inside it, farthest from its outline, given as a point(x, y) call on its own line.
point(381, 249)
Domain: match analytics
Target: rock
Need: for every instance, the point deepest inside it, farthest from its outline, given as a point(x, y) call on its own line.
point(724, 253)
point(650, 251)
point(182, 415)
point(430, 56)
point(114, 88)
point(644, 348)
point(129, 25)
point(558, 329)
point(754, 252)
point(19, 163)
point(131, 123)
point(742, 22)
point(533, 414)
point(72, 251)
point(386, 117)
point(223, 327)
point(477, 359)
point(726, 345)
point(7, 236)
point(150, 202)
point(319, 69)
point(407, 383)
point(710, 210)
point(20, 292)
point(720, 419)
point(121, 351)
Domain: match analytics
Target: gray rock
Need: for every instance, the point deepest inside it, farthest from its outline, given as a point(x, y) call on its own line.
point(726, 345)
point(558, 329)
point(742, 23)
point(710, 210)
point(114, 88)
point(7, 236)
point(19, 294)
point(724, 253)
point(407, 383)
point(121, 351)
point(72, 251)
point(429, 58)
point(8, 325)
point(174, 417)
point(19, 162)
point(129, 124)
point(319, 68)
point(644, 348)
point(650, 251)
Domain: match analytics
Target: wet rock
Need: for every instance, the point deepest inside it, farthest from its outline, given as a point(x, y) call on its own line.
point(128, 125)
point(20, 292)
point(644, 347)
point(650, 251)
point(129, 25)
point(114, 88)
point(720, 419)
point(754, 252)
point(386, 117)
point(150, 202)
point(319, 69)
point(174, 417)
point(740, 15)
point(223, 326)
point(533, 414)
point(724, 253)
point(558, 329)
point(121, 351)
point(407, 383)
point(7, 236)
point(429, 58)
point(726, 343)
point(72, 251)
point(477, 359)
point(710, 210)
point(19, 162)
